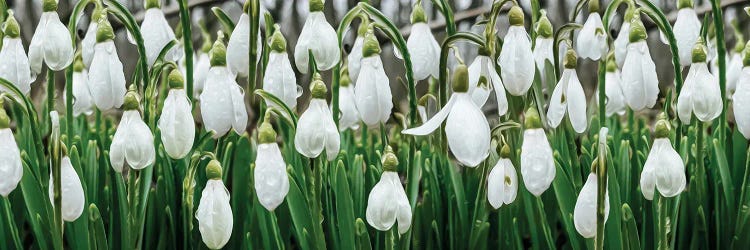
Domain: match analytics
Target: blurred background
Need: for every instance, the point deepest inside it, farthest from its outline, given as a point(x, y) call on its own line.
point(291, 15)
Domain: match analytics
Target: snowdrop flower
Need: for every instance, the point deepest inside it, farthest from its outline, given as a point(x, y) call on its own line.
point(592, 39)
point(373, 90)
point(734, 69)
point(14, 65)
point(315, 128)
point(349, 115)
point(271, 179)
point(106, 77)
point(214, 212)
point(569, 97)
point(615, 102)
point(133, 142)
point(466, 127)
point(89, 39)
point(515, 59)
point(742, 97)
point(537, 164)
point(544, 45)
point(73, 200)
point(176, 121)
point(502, 183)
point(279, 78)
point(584, 214)
point(387, 202)
point(319, 37)
point(664, 169)
point(422, 46)
point(83, 102)
point(640, 86)
point(157, 34)
point(222, 100)
point(623, 37)
point(701, 94)
point(686, 29)
point(355, 56)
point(238, 47)
point(10, 160)
point(51, 43)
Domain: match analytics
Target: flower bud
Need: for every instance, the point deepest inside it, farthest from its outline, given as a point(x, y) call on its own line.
point(611, 63)
point(662, 129)
point(637, 30)
point(266, 134)
point(49, 5)
point(104, 31)
point(531, 119)
point(417, 14)
point(515, 16)
point(148, 4)
point(344, 81)
point(175, 79)
point(593, 6)
point(11, 28)
point(461, 79)
point(218, 53)
point(389, 160)
point(315, 5)
point(131, 99)
point(504, 151)
point(213, 170)
point(318, 88)
point(545, 26)
point(78, 65)
point(684, 4)
point(699, 51)
point(371, 46)
point(571, 59)
point(364, 25)
point(278, 42)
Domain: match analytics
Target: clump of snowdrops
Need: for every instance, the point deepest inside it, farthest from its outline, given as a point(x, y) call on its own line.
point(206, 148)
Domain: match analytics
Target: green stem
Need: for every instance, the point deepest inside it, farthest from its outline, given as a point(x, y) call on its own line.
point(11, 223)
point(69, 123)
point(601, 175)
point(54, 152)
point(721, 51)
point(254, 11)
point(661, 224)
point(50, 97)
point(447, 12)
point(187, 43)
point(132, 225)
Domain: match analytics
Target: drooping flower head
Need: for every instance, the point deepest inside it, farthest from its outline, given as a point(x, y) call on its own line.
point(387, 202)
point(568, 97)
point(106, 76)
point(615, 102)
point(202, 65)
point(238, 48)
point(14, 65)
point(686, 30)
point(214, 214)
point(355, 55)
point(10, 159)
point(623, 36)
point(319, 37)
point(316, 130)
point(373, 90)
point(176, 121)
point(71, 190)
point(157, 33)
point(51, 43)
point(83, 102)
point(734, 66)
point(516, 60)
point(537, 163)
point(584, 214)
point(279, 78)
point(222, 101)
point(592, 40)
point(133, 143)
point(664, 169)
point(423, 48)
point(544, 45)
point(271, 179)
point(640, 85)
point(349, 114)
point(89, 40)
point(701, 94)
point(742, 95)
point(502, 183)
point(466, 127)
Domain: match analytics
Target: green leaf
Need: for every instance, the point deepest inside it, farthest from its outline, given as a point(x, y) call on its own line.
point(344, 207)
point(224, 19)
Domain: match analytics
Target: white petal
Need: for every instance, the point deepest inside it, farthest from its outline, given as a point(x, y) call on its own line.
point(434, 122)
point(217, 107)
point(58, 47)
point(333, 140)
point(592, 40)
point(14, 65)
point(742, 103)
point(271, 179)
point(584, 214)
point(157, 34)
point(239, 111)
point(467, 131)
point(202, 65)
point(176, 124)
point(516, 62)
point(381, 211)
point(317, 35)
point(559, 101)
point(502, 184)
point(349, 114)
point(639, 82)
point(497, 84)
point(373, 92)
point(310, 137)
point(424, 51)
point(355, 56)
point(479, 94)
point(621, 44)
point(36, 47)
point(214, 215)
point(706, 100)
point(537, 165)
point(686, 31)
point(669, 169)
point(648, 180)
point(280, 80)
point(576, 104)
point(404, 208)
point(734, 68)
point(133, 142)
point(73, 200)
point(83, 102)
point(87, 44)
point(543, 51)
point(10, 162)
point(615, 102)
point(106, 77)
point(238, 47)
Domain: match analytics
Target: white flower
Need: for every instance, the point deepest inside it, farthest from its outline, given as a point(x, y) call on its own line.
point(51, 44)
point(466, 127)
point(176, 123)
point(592, 39)
point(319, 37)
point(88, 42)
point(157, 34)
point(14, 65)
point(569, 97)
point(537, 164)
point(424, 51)
point(516, 61)
point(10, 160)
point(502, 183)
point(372, 93)
point(200, 73)
point(214, 212)
point(686, 31)
point(83, 102)
point(543, 52)
point(584, 214)
point(640, 86)
point(271, 179)
point(664, 170)
point(279, 78)
point(71, 191)
point(734, 69)
point(133, 143)
point(621, 43)
point(106, 76)
point(700, 95)
point(387, 203)
point(223, 103)
point(483, 68)
point(355, 57)
point(238, 48)
point(349, 114)
point(615, 102)
point(742, 103)
point(315, 128)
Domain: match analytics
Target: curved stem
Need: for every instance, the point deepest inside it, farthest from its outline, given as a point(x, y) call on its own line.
point(336, 84)
point(447, 12)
